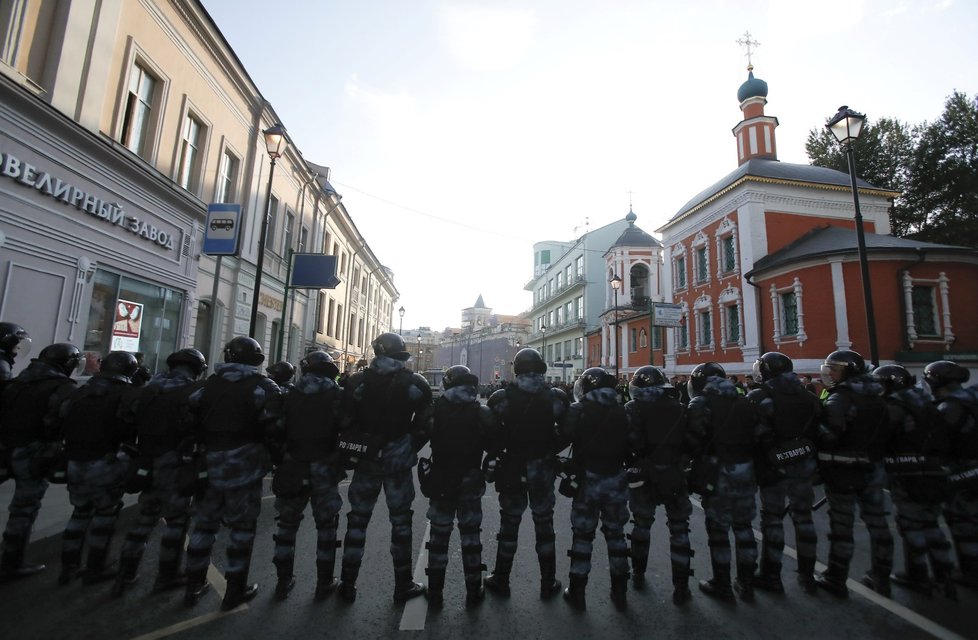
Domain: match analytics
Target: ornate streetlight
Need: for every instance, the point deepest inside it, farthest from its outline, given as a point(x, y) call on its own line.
point(616, 285)
point(400, 329)
point(846, 126)
point(275, 143)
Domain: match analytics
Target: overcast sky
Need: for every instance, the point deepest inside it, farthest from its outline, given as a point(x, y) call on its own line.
point(460, 133)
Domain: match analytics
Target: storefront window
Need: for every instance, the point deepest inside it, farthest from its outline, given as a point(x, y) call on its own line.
point(131, 315)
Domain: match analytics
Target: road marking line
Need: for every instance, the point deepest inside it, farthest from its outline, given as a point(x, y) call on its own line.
point(220, 585)
point(897, 609)
point(416, 609)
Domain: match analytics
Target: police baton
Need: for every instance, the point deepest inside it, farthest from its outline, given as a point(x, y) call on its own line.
point(815, 506)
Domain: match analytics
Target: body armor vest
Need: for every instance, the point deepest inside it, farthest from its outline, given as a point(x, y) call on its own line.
point(732, 422)
point(386, 410)
point(965, 434)
point(870, 429)
point(90, 427)
point(602, 444)
point(663, 425)
point(929, 436)
point(529, 423)
point(456, 441)
point(311, 424)
point(25, 404)
point(158, 418)
point(793, 415)
point(227, 413)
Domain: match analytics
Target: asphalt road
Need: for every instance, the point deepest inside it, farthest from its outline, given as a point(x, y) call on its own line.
point(38, 608)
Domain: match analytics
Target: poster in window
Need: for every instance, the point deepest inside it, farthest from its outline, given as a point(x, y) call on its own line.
point(127, 326)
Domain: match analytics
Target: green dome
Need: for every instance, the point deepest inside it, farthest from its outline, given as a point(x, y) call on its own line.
point(753, 88)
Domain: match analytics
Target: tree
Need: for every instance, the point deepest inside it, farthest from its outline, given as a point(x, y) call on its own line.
point(943, 175)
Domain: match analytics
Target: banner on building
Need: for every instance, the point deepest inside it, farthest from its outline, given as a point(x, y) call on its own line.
point(667, 315)
point(127, 326)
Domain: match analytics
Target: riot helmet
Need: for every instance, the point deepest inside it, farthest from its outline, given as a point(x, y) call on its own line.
point(458, 375)
point(281, 372)
point(894, 378)
point(842, 365)
point(529, 361)
point(593, 378)
point(320, 363)
point(244, 350)
point(770, 365)
point(701, 373)
point(61, 356)
point(189, 358)
point(391, 345)
point(118, 365)
point(649, 376)
point(943, 373)
point(14, 339)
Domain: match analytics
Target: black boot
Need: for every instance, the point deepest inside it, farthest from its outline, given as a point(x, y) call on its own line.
point(169, 576)
point(405, 587)
point(348, 582)
point(286, 580)
point(744, 584)
point(197, 586)
point(70, 561)
point(768, 577)
point(806, 574)
point(12, 563)
point(127, 576)
point(619, 589)
point(498, 580)
point(915, 575)
point(325, 581)
point(436, 586)
point(239, 591)
point(719, 585)
point(878, 580)
point(834, 578)
point(942, 575)
point(549, 584)
point(475, 592)
point(640, 562)
point(574, 593)
point(96, 569)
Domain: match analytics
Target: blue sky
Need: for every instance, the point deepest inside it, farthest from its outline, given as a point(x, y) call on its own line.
point(460, 133)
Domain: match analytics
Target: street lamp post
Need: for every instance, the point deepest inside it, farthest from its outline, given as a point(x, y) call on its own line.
point(420, 367)
point(400, 329)
point(616, 285)
point(543, 350)
point(275, 143)
point(846, 126)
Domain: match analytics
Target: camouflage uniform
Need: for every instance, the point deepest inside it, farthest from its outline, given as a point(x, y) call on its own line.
point(529, 412)
point(154, 413)
point(96, 473)
point(310, 424)
point(662, 424)
point(231, 412)
point(790, 415)
point(853, 435)
point(960, 408)
point(724, 424)
point(28, 416)
point(603, 439)
point(393, 423)
point(461, 430)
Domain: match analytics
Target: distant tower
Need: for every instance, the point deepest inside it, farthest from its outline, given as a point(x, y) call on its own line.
point(755, 133)
point(476, 317)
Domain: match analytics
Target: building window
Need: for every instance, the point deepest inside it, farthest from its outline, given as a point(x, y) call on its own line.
point(569, 275)
point(733, 324)
point(682, 335)
point(560, 280)
point(789, 313)
point(579, 266)
point(303, 235)
point(633, 340)
point(289, 230)
point(137, 118)
point(560, 316)
point(226, 189)
point(272, 224)
point(924, 304)
point(580, 307)
point(706, 329)
point(578, 347)
point(321, 312)
point(728, 258)
point(726, 238)
point(702, 265)
point(643, 339)
point(191, 142)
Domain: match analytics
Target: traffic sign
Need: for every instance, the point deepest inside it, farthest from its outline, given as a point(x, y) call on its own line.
point(222, 229)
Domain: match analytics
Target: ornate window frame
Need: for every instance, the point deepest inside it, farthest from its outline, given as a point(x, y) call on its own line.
point(727, 229)
point(731, 297)
point(679, 253)
point(678, 331)
point(700, 241)
point(704, 304)
point(778, 312)
point(942, 308)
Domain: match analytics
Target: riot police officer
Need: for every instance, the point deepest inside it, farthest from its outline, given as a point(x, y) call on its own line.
point(310, 472)
point(853, 434)
point(915, 465)
point(93, 435)
point(785, 468)
point(28, 418)
point(389, 407)
point(461, 430)
point(231, 414)
point(724, 425)
point(529, 412)
point(959, 406)
point(602, 441)
point(282, 373)
point(14, 341)
point(661, 421)
point(154, 414)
